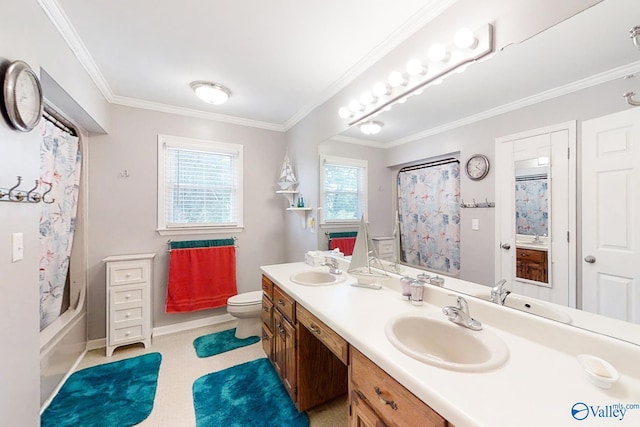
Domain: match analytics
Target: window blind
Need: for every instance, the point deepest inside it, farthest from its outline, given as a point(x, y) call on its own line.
point(344, 189)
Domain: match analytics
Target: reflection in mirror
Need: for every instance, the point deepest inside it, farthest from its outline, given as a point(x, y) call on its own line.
point(532, 219)
point(545, 80)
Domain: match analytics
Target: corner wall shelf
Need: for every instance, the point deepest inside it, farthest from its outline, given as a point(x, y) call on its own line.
point(303, 214)
point(288, 194)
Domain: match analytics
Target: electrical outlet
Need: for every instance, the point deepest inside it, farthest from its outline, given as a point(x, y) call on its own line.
point(475, 224)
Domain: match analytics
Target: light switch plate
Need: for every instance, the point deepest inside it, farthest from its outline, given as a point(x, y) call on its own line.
point(17, 247)
point(475, 224)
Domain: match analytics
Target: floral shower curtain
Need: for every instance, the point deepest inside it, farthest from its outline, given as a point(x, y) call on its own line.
point(60, 161)
point(532, 201)
point(429, 215)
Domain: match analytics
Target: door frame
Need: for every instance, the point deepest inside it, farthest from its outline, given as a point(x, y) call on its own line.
point(502, 173)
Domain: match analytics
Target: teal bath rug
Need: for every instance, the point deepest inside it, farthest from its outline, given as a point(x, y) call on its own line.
point(116, 394)
point(212, 344)
point(249, 394)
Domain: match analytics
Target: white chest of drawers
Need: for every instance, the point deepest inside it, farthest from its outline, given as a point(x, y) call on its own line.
point(129, 279)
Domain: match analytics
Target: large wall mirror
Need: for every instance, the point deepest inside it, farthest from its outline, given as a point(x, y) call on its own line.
point(553, 81)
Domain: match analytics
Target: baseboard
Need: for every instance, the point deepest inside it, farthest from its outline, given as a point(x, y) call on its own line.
point(172, 329)
point(193, 324)
point(96, 344)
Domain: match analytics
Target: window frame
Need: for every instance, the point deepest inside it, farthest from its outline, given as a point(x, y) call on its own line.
point(344, 161)
point(165, 141)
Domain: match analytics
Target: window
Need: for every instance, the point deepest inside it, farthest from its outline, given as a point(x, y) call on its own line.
point(343, 189)
point(199, 185)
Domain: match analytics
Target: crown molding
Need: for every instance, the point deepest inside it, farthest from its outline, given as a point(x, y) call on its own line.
point(357, 141)
point(585, 83)
point(190, 112)
point(60, 21)
point(402, 33)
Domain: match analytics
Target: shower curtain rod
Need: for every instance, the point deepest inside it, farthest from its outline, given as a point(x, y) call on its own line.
point(58, 121)
point(430, 164)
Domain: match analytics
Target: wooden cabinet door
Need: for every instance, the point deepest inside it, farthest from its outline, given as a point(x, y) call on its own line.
point(362, 415)
point(284, 361)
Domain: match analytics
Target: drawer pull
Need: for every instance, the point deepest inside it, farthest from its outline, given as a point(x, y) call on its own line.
point(128, 296)
point(385, 401)
point(128, 275)
point(127, 333)
point(128, 315)
point(315, 329)
point(265, 309)
point(281, 302)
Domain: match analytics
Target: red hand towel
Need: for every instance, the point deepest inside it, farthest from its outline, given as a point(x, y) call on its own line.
point(345, 244)
point(200, 278)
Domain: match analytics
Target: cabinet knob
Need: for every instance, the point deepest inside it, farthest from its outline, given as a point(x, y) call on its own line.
point(128, 296)
point(127, 333)
point(128, 315)
point(280, 302)
point(128, 275)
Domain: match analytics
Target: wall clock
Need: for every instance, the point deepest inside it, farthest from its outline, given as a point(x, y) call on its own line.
point(477, 167)
point(22, 96)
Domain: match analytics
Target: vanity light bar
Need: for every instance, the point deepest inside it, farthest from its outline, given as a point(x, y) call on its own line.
point(456, 56)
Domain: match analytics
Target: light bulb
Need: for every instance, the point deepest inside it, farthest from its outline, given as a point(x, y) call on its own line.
point(415, 67)
point(355, 106)
point(381, 89)
point(367, 98)
point(396, 79)
point(438, 53)
point(344, 112)
point(465, 39)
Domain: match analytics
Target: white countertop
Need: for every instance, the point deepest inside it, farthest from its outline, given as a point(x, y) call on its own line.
point(537, 386)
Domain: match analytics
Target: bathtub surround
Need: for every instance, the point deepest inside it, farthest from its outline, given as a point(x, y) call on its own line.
point(249, 394)
point(220, 342)
point(116, 394)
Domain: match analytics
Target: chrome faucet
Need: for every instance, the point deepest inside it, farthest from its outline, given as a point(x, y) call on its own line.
point(536, 239)
point(460, 314)
point(332, 263)
point(499, 293)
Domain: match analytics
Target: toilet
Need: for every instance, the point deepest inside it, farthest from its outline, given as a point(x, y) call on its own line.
point(246, 307)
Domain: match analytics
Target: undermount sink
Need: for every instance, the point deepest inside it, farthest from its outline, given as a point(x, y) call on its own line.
point(431, 338)
point(316, 278)
point(531, 306)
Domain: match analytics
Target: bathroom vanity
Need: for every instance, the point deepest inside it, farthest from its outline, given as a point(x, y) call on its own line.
point(325, 339)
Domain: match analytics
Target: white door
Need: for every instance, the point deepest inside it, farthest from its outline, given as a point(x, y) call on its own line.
point(610, 214)
point(530, 150)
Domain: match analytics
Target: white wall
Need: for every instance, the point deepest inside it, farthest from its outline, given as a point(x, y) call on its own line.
point(122, 217)
point(26, 34)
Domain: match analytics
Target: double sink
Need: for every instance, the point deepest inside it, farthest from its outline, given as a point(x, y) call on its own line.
point(429, 337)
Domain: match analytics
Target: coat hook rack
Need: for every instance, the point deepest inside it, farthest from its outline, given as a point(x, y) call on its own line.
point(485, 204)
point(14, 194)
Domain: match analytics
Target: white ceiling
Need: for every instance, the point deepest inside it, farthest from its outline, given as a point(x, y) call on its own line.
point(279, 58)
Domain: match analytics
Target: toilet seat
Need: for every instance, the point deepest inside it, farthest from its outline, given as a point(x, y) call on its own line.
point(245, 299)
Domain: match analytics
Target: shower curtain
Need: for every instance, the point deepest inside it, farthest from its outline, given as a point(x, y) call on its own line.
point(60, 161)
point(429, 215)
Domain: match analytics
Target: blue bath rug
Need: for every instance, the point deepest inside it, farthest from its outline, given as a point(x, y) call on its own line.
point(116, 394)
point(249, 394)
point(212, 344)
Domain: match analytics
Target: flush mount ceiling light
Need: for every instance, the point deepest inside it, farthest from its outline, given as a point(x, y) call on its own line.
point(371, 127)
point(439, 61)
point(212, 93)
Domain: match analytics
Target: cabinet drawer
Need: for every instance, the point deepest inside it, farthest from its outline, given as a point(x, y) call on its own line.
point(128, 333)
point(267, 287)
point(267, 313)
point(531, 255)
point(127, 314)
point(396, 405)
point(285, 304)
point(125, 296)
point(326, 335)
point(125, 273)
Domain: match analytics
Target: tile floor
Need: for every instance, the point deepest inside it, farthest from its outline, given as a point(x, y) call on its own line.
point(180, 367)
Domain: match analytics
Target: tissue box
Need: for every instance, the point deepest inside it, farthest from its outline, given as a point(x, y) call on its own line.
point(316, 258)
